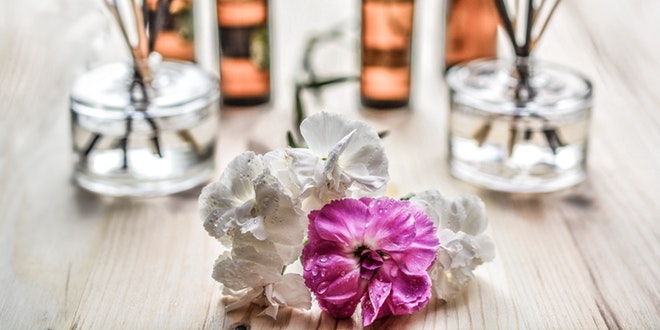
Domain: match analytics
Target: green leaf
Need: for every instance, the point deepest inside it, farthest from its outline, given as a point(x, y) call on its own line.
point(408, 197)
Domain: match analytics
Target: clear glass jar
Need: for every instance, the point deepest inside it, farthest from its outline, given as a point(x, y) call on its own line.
point(518, 135)
point(128, 148)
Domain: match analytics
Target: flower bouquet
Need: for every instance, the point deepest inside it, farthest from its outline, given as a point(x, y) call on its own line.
point(323, 205)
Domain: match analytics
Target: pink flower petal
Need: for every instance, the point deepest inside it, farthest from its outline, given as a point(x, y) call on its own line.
point(340, 297)
point(341, 221)
point(374, 306)
point(410, 293)
point(333, 277)
point(420, 254)
point(391, 227)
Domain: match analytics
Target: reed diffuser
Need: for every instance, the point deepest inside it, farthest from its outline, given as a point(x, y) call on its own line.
point(145, 127)
point(519, 125)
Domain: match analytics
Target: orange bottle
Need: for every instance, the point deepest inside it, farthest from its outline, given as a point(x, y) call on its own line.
point(471, 31)
point(245, 52)
point(176, 39)
point(386, 50)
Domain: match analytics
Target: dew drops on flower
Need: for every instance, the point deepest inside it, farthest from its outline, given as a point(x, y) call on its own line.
point(379, 252)
point(322, 205)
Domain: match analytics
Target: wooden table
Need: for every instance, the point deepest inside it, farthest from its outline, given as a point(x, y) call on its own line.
point(588, 257)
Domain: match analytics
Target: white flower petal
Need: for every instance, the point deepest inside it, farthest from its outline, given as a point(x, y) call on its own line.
point(246, 268)
point(336, 151)
point(466, 213)
point(486, 251)
point(227, 203)
point(255, 226)
point(249, 199)
point(303, 165)
point(323, 130)
point(475, 221)
point(240, 172)
point(463, 246)
point(283, 219)
point(281, 165)
point(347, 159)
point(438, 208)
point(272, 306)
point(245, 299)
point(291, 291)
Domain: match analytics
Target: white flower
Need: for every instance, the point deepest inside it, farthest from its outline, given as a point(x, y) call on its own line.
point(248, 199)
point(344, 158)
point(463, 245)
point(255, 277)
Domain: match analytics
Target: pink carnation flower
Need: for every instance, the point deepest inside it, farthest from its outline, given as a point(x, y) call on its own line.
point(371, 251)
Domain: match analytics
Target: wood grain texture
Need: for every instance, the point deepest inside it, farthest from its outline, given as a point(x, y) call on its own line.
point(587, 257)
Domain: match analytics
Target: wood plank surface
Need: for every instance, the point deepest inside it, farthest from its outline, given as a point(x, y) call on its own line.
point(587, 257)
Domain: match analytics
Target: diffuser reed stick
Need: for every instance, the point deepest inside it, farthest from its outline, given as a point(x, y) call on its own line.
point(524, 91)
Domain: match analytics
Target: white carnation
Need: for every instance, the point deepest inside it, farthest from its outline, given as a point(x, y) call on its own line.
point(344, 158)
point(463, 245)
point(248, 199)
point(255, 277)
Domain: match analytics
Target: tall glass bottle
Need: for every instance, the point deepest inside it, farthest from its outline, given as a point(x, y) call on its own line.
point(176, 39)
point(188, 32)
point(245, 47)
point(386, 49)
point(471, 31)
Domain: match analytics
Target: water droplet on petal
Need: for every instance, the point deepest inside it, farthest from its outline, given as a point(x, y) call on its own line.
point(315, 271)
point(324, 272)
point(394, 272)
point(323, 259)
point(322, 288)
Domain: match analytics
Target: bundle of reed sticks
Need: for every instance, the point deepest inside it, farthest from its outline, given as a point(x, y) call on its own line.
point(526, 20)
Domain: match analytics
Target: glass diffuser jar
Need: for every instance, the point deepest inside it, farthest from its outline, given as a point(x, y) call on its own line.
point(124, 147)
point(518, 135)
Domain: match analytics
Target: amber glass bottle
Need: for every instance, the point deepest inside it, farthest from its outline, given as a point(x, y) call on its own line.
point(176, 39)
point(471, 31)
point(386, 49)
point(245, 48)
